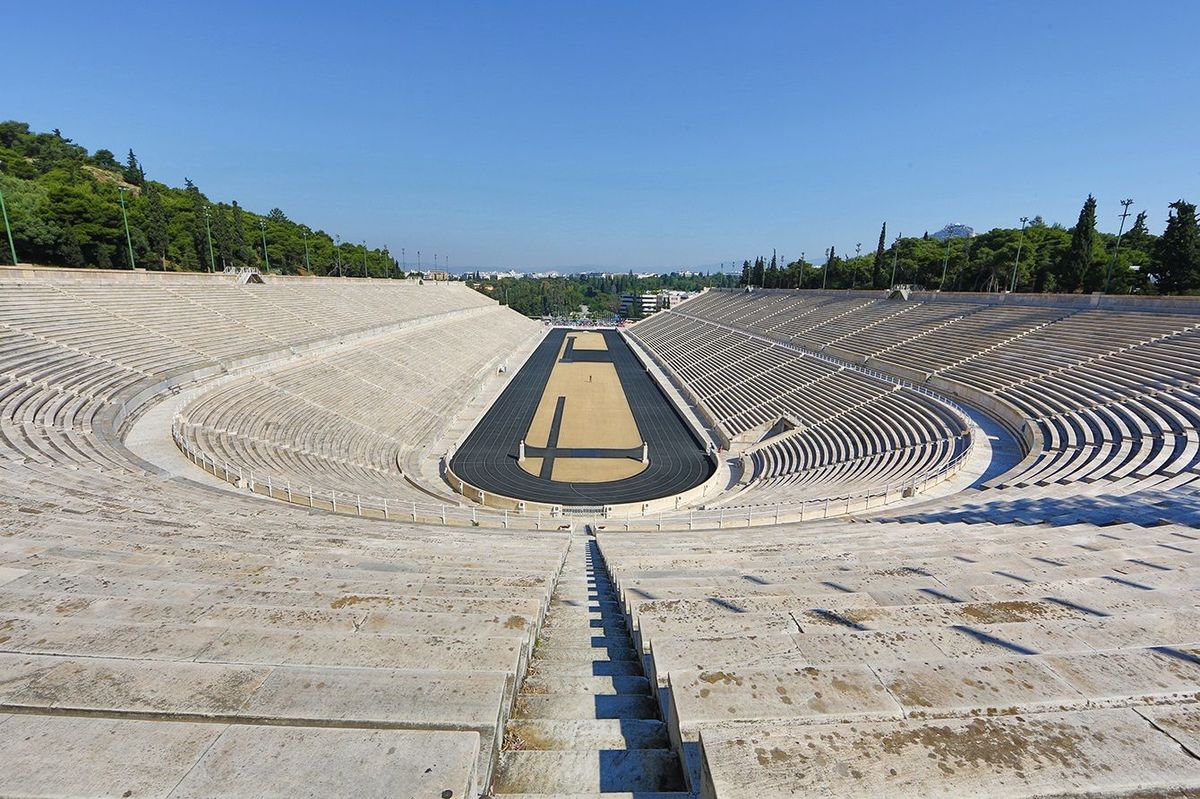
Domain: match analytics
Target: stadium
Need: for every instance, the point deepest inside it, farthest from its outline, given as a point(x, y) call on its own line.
point(343, 536)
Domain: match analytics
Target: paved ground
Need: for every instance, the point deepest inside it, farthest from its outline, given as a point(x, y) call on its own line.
point(488, 458)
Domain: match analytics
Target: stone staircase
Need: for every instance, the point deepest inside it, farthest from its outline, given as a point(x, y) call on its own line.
point(586, 722)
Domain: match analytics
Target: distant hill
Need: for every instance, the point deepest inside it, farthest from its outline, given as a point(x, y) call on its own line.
point(954, 230)
point(64, 204)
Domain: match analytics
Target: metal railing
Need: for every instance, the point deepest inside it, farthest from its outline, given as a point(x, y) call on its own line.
point(605, 517)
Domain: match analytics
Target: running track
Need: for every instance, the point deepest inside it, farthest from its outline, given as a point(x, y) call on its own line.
point(488, 458)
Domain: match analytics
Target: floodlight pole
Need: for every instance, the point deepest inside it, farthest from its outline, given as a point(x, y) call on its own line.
point(895, 259)
point(338, 254)
point(945, 263)
point(262, 225)
point(1012, 289)
point(854, 269)
point(212, 258)
point(125, 216)
point(307, 263)
point(1124, 215)
point(12, 250)
point(365, 259)
point(825, 269)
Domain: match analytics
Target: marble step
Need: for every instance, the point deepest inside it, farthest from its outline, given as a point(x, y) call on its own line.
point(585, 734)
point(555, 684)
point(585, 706)
point(605, 770)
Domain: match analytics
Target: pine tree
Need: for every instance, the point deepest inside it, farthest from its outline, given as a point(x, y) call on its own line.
point(133, 170)
point(1178, 251)
point(69, 250)
point(877, 265)
point(746, 276)
point(1076, 266)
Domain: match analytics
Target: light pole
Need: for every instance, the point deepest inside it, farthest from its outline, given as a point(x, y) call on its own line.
point(895, 259)
point(1016, 263)
point(125, 216)
point(307, 263)
point(801, 281)
point(825, 269)
point(402, 264)
point(854, 270)
point(945, 263)
point(212, 258)
point(1124, 215)
point(365, 258)
point(418, 260)
point(337, 248)
point(387, 261)
point(262, 225)
point(12, 250)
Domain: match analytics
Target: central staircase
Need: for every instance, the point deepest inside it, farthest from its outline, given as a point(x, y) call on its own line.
point(587, 723)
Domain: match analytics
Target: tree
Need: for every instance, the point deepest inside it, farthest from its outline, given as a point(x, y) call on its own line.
point(241, 247)
point(771, 278)
point(1078, 267)
point(746, 274)
point(829, 276)
point(877, 264)
point(105, 159)
point(158, 234)
point(1178, 251)
point(1138, 235)
point(133, 170)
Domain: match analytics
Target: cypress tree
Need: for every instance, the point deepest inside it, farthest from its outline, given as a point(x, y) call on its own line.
point(222, 233)
point(772, 275)
point(199, 237)
point(1138, 236)
point(1076, 264)
point(1178, 251)
point(241, 249)
point(157, 225)
point(877, 265)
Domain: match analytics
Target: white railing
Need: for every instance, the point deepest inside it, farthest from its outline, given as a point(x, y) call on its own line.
point(778, 513)
point(337, 501)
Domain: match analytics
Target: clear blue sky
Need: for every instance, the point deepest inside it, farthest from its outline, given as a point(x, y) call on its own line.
point(629, 134)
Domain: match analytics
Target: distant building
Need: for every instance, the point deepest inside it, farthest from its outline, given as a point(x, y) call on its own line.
point(437, 275)
point(641, 304)
point(954, 230)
